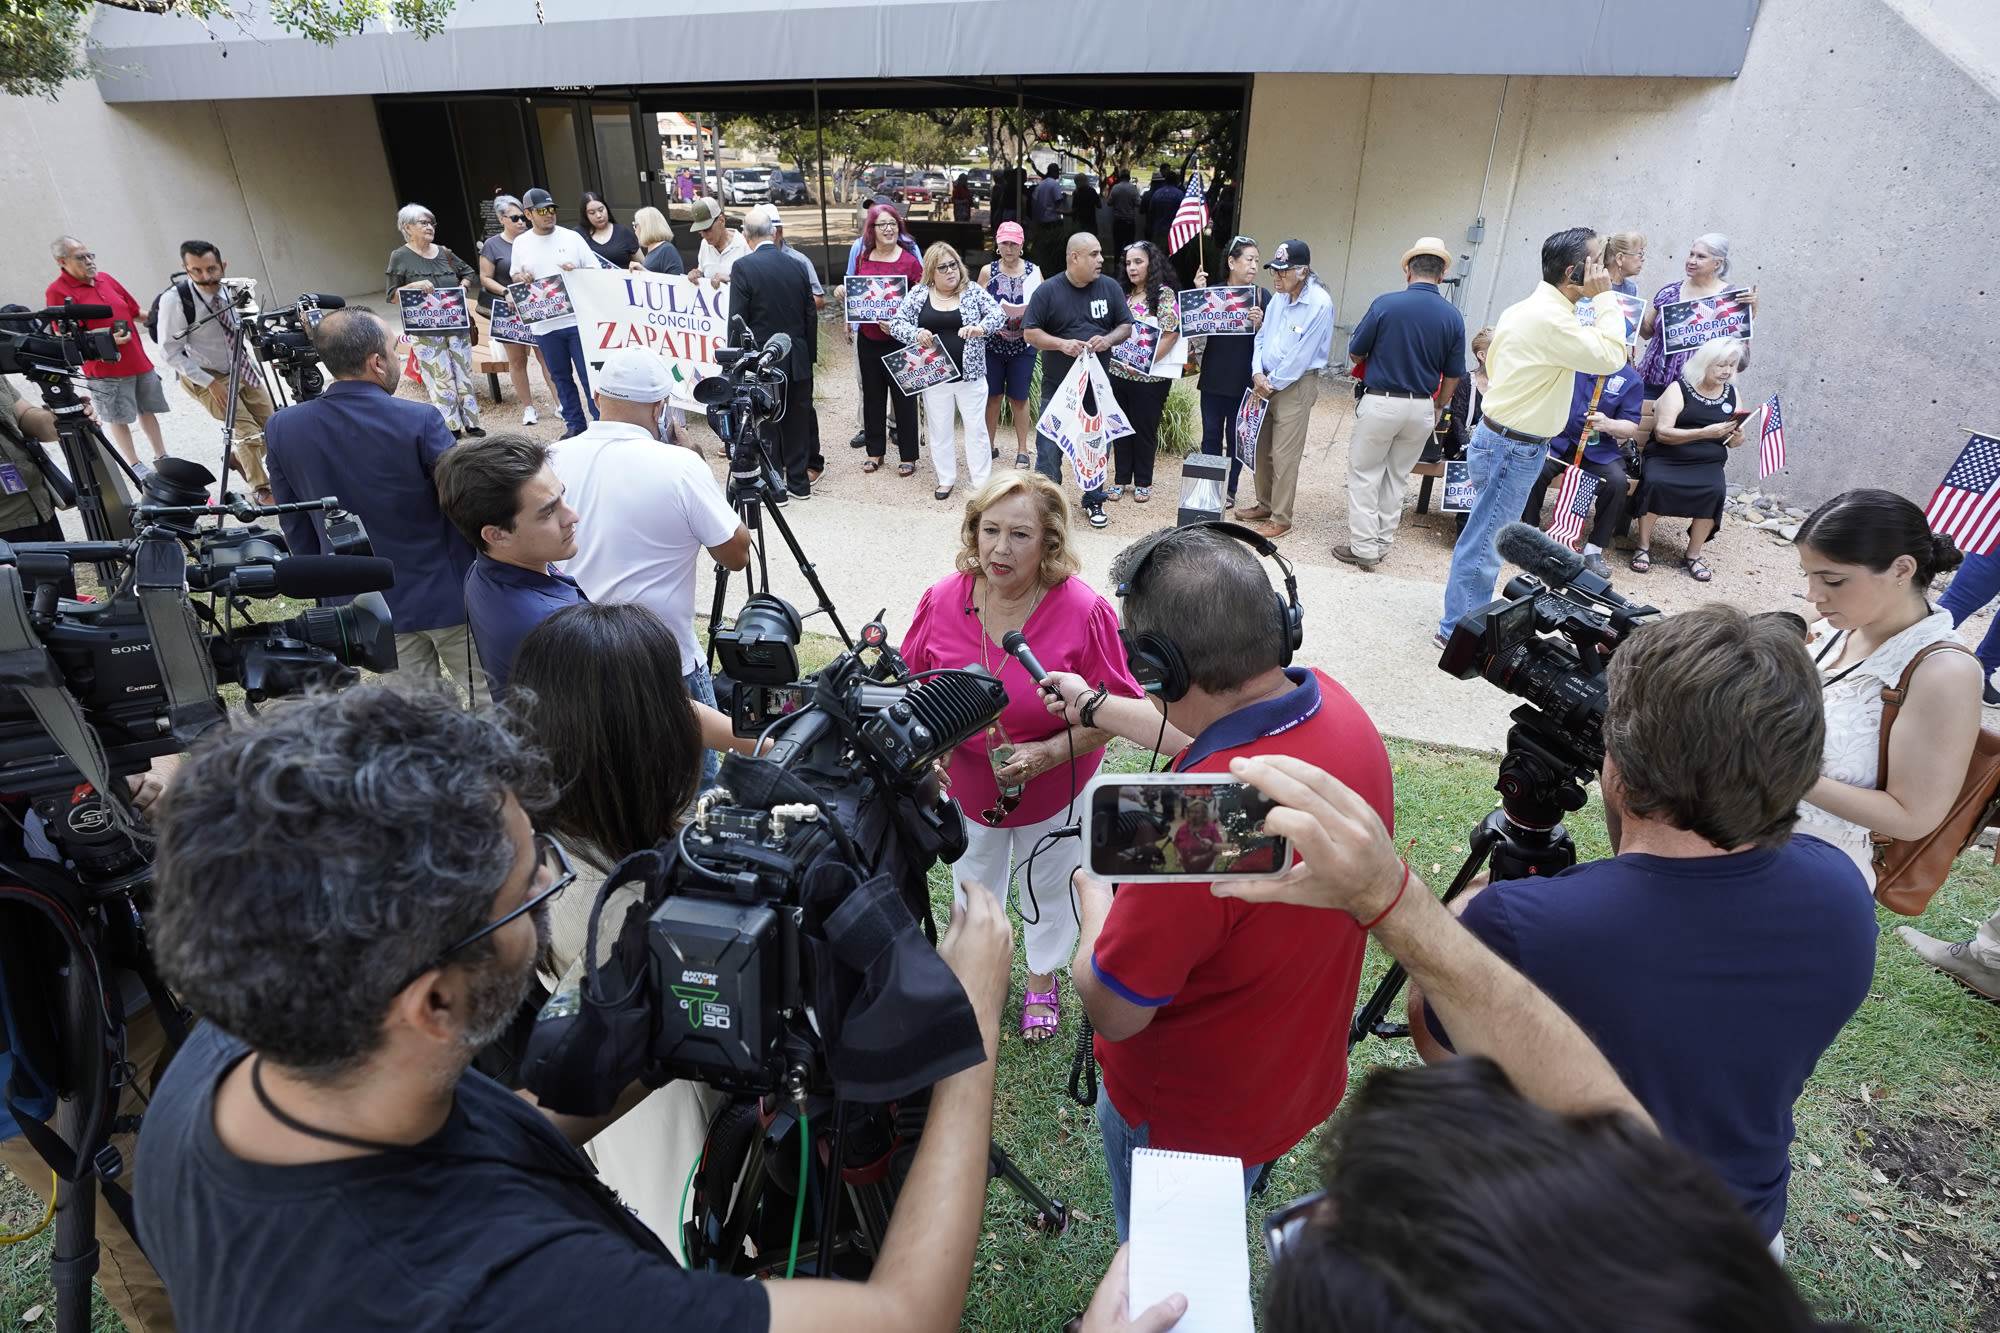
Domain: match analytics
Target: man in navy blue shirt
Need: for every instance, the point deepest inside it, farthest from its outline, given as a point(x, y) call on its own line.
point(376, 451)
point(1717, 955)
point(1615, 418)
point(1414, 344)
point(503, 494)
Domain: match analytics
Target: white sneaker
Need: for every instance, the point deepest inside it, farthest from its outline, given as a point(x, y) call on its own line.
point(528, 417)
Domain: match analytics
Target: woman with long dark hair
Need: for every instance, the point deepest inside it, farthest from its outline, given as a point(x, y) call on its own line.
point(1225, 361)
point(1869, 557)
point(615, 243)
point(1149, 290)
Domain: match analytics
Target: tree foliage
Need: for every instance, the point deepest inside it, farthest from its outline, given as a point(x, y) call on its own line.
point(43, 43)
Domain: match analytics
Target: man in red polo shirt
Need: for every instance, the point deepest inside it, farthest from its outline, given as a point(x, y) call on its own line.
point(125, 390)
point(1221, 1024)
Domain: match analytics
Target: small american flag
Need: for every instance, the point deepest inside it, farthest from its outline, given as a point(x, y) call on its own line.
point(1771, 437)
point(1966, 507)
point(1573, 499)
point(1189, 218)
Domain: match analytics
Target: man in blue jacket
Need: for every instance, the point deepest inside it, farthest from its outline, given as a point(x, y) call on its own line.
point(375, 451)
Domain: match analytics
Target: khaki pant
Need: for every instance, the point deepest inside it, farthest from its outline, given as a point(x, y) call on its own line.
point(1284, 445)
point(253, 409)
point(123, 1274)
point(1389, 436)
point(442, 652)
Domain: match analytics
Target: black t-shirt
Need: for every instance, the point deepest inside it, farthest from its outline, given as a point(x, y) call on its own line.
point(617, 250)
point(501, 251)
point(1225, 360)
point(947, 326)
point(1062, 309)
point(397, 1241)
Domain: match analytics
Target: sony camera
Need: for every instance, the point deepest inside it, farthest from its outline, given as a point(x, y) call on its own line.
point(53, 341)
point(284, 338)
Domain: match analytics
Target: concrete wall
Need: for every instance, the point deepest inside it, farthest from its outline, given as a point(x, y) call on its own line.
point(1852, 165)
point(295, 192)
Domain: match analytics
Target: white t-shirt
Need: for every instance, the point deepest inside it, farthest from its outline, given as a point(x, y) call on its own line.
point(646, 511)
point(715, 263)
point(544, 256)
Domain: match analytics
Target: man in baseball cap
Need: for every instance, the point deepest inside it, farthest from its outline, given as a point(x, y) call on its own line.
point(1285, 361)
point(1413, 343)
point(720, 246)
point(545, 251)
point(648, 510)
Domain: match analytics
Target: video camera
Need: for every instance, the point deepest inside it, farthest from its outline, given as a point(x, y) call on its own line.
point(742, 402)
point(284, 337)
point(53, 341)
point(774, 946)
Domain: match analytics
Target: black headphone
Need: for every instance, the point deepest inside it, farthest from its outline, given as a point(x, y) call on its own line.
point(1156, 661)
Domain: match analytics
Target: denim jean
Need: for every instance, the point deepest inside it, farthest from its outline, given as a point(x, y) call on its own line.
point(1119, 1141)
point(1975, 584)
point(1048, 457)
point(1503, 472)
point(563, 351)
point(701, 690)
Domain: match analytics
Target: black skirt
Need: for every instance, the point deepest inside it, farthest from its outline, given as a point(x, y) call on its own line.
point(1680, 490)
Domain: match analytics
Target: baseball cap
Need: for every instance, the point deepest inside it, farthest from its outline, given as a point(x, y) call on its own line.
point(1010, 231)
point(1428, 245)
point(1290, 254)
point(706, 211)
point(538, 198)
point(634, 375)
point(777, 218)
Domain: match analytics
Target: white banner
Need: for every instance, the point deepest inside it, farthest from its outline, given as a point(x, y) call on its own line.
point(682, 320)
point(1082, 435)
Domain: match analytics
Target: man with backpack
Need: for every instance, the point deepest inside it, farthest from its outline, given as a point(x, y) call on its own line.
point(194, 322)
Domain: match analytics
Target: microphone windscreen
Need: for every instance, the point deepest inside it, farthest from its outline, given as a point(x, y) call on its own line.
point(324, 301)
point(779, 347)
point(1530, 548)
point(81, 312)
point(333, 575)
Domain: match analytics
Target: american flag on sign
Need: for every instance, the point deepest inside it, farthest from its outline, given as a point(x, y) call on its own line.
point(1771, 438)
point(1966, 507)
point(1573, 499)
point(1190, 218)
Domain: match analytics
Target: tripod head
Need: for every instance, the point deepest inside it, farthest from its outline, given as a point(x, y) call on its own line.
point(743, 403)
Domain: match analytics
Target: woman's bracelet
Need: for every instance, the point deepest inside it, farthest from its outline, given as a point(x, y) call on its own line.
point(1400, 888)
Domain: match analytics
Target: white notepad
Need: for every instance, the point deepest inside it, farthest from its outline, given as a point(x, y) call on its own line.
point(1188, 1237)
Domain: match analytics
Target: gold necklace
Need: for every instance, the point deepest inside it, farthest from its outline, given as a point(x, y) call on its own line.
point(985, 630)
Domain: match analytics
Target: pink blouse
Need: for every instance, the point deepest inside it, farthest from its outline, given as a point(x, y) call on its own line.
point(1074, 629)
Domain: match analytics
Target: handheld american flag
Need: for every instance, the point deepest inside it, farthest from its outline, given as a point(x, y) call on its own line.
point(1966, 507)
point(1189, 218)
point(1573, 499)
point(1771, 440)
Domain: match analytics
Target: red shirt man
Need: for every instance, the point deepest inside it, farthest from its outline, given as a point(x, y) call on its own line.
point(103, 289)
point(124, 390)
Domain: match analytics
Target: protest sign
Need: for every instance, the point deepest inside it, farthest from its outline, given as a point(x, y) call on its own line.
point(1136, 352)
point(440, 310)
point(1457, 487)
point(1686, 325)
point(539, 299)
point(507, 326)
point(1216, 309)
point(918, 368)
point(872, 299)
point(1631, 307)
point(1083, 429)
point(680, 320)
point(1249, 424)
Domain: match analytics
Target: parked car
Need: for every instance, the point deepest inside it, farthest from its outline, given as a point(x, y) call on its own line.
point(981, 181)
point(746, 185)
point(788, 186)
point(916, 193)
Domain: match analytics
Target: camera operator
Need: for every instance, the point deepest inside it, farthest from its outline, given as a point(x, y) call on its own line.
point(352, 891)
point(27, 509)
point(377, 453)
point(1716, 956)
point(1213, 1017)
point(197, 325)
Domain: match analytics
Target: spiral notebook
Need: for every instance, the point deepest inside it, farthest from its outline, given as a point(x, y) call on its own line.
point(1188, 1237)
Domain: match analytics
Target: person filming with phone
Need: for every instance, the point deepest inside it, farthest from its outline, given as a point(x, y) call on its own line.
point(1219, 1022)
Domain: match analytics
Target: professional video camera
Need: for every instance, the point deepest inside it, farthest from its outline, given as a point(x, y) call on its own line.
point(284, 337)
point(1547, 640)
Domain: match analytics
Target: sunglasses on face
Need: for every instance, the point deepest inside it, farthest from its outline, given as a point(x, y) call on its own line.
point(513, 217)
point(544, 212)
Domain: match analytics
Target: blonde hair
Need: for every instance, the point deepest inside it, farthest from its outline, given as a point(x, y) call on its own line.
point(1705, 356)
point(1482, 340)
point(649, 224)
point(1058, 560)
point(1623, 243)
point(941, 251)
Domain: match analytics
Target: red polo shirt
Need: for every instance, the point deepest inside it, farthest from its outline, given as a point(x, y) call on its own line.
point(1248, 1052)
point(106, 291)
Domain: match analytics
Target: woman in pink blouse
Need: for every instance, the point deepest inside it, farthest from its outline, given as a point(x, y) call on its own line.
point(1018, 781)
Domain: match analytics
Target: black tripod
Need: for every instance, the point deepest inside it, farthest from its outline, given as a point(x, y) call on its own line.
point(1541, 779)
point(241, 312)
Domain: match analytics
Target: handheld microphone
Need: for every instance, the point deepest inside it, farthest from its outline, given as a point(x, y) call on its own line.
point(1017, 644)
point(1549, 560)
point(315, 576)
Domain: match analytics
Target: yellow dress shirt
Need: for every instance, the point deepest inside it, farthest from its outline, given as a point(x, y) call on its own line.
point(1538, 350)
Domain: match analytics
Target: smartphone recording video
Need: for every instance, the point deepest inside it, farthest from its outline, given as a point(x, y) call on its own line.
point(1159, 827)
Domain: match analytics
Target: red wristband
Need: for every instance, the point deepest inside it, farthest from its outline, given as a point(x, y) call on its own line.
point(1392, 902)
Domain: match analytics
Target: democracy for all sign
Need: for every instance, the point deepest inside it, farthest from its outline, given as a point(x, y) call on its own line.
point(440, 310)
point(678, 319)
point(918, 368)
point(507, 326)
point(1216, 310)
point(873, 299)
point(1686, 325)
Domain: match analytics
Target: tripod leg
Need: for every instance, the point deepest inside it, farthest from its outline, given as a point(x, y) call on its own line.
point(811, 573)
point(1051, 1215)
point(73, 1261)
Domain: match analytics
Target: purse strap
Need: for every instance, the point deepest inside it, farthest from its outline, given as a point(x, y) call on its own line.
point(1893, 698)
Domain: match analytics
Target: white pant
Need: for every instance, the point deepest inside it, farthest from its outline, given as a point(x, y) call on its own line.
point(1389, 436)
point(1047, 898)
point(969, 398)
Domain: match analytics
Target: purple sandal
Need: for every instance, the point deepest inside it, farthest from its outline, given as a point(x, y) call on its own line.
point(1036, 1022)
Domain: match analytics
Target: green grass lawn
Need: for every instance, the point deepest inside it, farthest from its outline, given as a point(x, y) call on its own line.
point(1895, 1208)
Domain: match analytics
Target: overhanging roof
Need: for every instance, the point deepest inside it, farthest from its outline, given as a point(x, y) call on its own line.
point(500, 45)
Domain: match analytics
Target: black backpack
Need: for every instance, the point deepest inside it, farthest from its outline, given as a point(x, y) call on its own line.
point(177, 283)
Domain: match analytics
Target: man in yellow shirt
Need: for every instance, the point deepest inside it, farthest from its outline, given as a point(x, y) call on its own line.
point(1538, 349)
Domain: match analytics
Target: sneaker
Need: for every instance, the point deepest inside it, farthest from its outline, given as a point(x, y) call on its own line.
point(1990, 696)
point(475, 432)
point(1345, 554)
point(1095, 513)
point(800, 492)
point(1956, 961)
point(1594, 562)
point(1114, 492)
point(860, 439)
point(1441, 641)
point(528, 417)
point(1141, 494)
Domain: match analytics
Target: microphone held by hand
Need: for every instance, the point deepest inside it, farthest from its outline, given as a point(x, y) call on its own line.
point(1017, 643)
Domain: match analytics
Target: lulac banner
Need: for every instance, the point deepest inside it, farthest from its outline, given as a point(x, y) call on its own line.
point(681, 320)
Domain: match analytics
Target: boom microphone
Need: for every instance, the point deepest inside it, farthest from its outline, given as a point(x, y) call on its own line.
point(323, 301)
point(1553, 563)
point(65, 311)
point(315, 576)
point(779, 348)
point(1016, 643)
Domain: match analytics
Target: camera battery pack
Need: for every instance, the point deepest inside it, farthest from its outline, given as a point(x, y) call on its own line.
point(719, 962)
